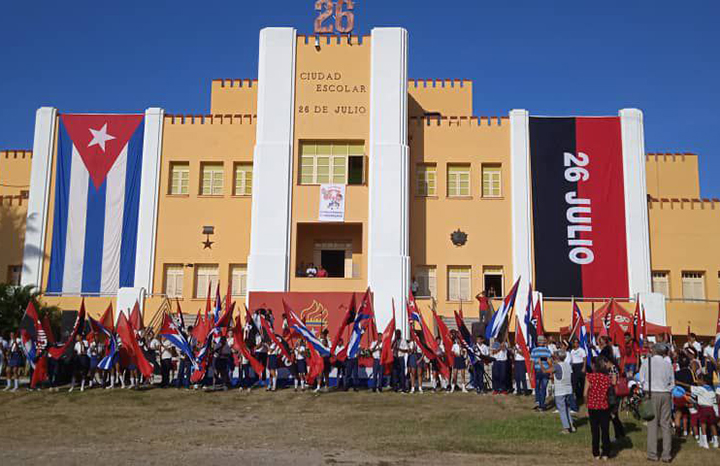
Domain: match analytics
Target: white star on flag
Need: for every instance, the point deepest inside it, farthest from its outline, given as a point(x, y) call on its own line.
point(100, 137)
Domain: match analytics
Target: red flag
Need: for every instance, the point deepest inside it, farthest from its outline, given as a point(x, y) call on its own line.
point(56, 352)
point(537, 317)
point(717, 327)
point(316, 366)
point(372, 326)
point(386, 356)
point(636, 322)
point(227, 318)
point(40, 372)
point(274, 337)
point(48, 330)
point(108, 320)
point(135, 318)
point(349, 317)
point(130, 344)
point(447, 341)
point(520, 340)
point(643, 328)
point(41, 339)
point(240, 346)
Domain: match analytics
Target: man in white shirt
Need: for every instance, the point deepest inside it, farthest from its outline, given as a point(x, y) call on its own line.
point(578, 363)
point(658, 378)
point(377, 375)
point(693, 343)
point(165, 362)
point(481, 351)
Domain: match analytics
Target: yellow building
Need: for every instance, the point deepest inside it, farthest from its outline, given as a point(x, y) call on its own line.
point(406, 164)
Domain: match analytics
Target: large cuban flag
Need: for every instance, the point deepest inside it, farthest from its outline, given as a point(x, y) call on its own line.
point(97, 193)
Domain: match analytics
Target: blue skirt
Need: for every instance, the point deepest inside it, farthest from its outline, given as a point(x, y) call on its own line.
point(412, 361)
point(302, 366)
point(16, 360)
point(272, 362)
point(94, 360)
point(459, 363)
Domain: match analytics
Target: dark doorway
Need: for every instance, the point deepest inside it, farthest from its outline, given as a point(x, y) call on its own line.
point(334, 263)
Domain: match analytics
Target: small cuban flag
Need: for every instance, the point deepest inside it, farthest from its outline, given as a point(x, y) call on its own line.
point(97, 199)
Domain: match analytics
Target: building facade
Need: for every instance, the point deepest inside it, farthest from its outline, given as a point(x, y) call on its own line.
point(428, 193)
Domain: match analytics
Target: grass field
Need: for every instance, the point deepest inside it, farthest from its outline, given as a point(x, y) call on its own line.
point(169, 426)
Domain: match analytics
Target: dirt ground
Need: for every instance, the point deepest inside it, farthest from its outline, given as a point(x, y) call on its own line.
point(158, 426)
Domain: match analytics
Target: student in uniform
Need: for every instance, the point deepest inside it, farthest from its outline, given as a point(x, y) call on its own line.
point(377, 375)
point(261, 353)
point(327, 365)
point(412, 364)
point(291, 365)
point(519, 372)
point(95, 354)
point(245, 381)
point(438, 381)
point(15, 362)
point(459, 364)
point(400, 350)
point(499, 367)
point(272, 366)
point(707, 403)
point(300, 355)
point(339, 364)
point(481, 351)
point(81, 362)
point(223, 354)
point(166, 356)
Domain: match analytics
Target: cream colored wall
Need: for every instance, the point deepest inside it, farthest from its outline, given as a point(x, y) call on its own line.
point(181, 217)
point(14, 180)
point(486, 221)
point(233, 96)
point(448, 97)
point(316, 119)
point(672, 176)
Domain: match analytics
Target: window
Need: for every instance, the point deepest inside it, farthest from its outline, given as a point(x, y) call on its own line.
point(426, 180)
point(174, 280)
point(204, 275)
point(427, 282)
point(13, 275)
point(212, 179)
point(458, 180)
point(179, 177)
point(332, 162)
point(243, 179)
point(238, 278)
point(693, 284)
point(491, 181)
point(661, 283)
point(459, 283)
point(493, 281)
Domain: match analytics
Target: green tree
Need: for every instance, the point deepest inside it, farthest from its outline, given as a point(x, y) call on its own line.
point(13, 302)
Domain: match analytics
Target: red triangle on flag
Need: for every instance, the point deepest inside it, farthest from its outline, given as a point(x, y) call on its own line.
point(99, 139)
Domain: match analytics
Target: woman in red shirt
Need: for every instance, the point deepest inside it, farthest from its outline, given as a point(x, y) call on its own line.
point(597, 384)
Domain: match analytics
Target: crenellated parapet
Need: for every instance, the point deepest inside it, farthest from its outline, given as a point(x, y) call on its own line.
point(459, 121)
point(211, 119)
point(683, 203)
point(332, 40)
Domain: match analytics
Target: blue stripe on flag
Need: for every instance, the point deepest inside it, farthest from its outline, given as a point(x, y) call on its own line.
point(60, 218)
point(133, 177)
point(94, 238)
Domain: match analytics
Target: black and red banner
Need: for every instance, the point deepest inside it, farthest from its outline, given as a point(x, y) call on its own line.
point(578, 207)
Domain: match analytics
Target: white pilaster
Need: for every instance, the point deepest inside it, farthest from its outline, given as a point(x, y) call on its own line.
point(269, 261)
point(388, 231)
point(636, 214)
point(521, 206)
point(36, 222)
point(149, 196)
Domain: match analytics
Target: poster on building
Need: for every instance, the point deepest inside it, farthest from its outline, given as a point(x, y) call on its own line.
point(332, 203)
point(578, 203)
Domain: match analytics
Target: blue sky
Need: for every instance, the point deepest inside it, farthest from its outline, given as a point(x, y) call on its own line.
point(555, 57)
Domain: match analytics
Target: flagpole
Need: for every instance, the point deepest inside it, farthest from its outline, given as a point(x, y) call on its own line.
point(574, 325)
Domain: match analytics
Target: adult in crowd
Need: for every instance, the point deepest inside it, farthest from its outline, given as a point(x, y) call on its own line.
point(658, 379)
point(542, 360)
point(562, 373)
point(481, 351)
point(578, 363)
point(399, 350)
point(629, 356)
point(520, 372)
point(377, 374)
point(597, 385)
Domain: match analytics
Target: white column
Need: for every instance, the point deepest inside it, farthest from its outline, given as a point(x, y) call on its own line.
point(521, 203)
point(636, 214)
point(269, 261)
point(37, 213)
point(149, 196)
point(388, 235)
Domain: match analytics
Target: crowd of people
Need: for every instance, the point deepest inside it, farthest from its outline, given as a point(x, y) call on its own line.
point(560, 373)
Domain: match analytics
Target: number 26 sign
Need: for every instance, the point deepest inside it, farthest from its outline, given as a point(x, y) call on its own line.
point(344, 17)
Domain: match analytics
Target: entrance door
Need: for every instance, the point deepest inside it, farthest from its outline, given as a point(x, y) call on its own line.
point(333, 262)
